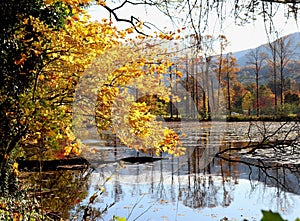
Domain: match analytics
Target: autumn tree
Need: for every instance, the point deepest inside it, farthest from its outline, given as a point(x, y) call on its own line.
point(247, 102)
point(203, 65)
point(292, 97)
point(120, 110)
point(196, 82)
point(192, 85)
point(292, 103)
point(44, 59)
point(223, 44)
point(209, 48)
point(239, 92)
point(22, 59)
point(227, 67)
point(266, 100)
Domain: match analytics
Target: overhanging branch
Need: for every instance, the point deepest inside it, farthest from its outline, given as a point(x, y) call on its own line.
point(134, 21)
point(283, 1)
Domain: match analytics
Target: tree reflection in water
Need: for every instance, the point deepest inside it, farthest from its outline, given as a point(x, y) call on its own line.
point(235, 182)
point(57, 191)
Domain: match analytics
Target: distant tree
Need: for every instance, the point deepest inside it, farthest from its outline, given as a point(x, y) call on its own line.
point(280, 54)
point(207, 54)
point(284, 53)
point(291, 84)
point(195, 89)
point(247, 102)
point(266, 100)
point(219, 65)
point(273, 62)
point(256, 59)
point(226, 67)
point(292, 98)
point(238, 94)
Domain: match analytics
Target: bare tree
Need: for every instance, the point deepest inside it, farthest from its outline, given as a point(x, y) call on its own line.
point(256, 59)
point(284, 53)
point(273, 62)
point(281, 52)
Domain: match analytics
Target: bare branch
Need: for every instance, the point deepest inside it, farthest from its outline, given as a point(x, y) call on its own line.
point(133, 20)
point(134, 3)
point(282, 1)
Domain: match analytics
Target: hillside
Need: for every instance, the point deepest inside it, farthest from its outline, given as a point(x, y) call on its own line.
point(246, 75)
point(242, 58)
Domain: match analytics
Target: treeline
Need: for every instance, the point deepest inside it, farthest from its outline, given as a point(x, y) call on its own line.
point(218, 89)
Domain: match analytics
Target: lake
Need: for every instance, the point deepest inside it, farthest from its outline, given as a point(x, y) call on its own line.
point(236, 185)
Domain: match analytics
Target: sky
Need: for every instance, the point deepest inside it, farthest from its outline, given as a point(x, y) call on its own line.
point(240, 37)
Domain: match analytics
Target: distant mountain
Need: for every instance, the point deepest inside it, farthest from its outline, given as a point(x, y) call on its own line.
point(242, 58)
point(247, 74)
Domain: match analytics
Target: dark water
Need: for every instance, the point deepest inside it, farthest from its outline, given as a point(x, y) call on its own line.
point(196, 186)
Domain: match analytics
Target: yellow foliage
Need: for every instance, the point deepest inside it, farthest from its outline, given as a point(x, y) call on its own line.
point(49, 2)
point(101, 2)
point(72, 50)
point(139, 118)
point(15, 168)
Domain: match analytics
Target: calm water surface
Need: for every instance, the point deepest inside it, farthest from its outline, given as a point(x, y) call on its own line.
point(196, 186)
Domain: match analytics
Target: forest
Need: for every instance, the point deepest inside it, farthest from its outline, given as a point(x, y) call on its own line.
point(247, 86)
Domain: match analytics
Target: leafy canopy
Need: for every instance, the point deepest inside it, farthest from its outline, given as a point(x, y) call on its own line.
point(51, 47)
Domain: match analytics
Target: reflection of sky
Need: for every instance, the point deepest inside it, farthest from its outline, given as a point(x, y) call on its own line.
point(164, 201)
point(184, 189)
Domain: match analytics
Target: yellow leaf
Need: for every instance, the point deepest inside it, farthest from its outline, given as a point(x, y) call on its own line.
point(129, 30)
point(93, 197)
point(102, 189)
point(101, 2)
point(41, 77)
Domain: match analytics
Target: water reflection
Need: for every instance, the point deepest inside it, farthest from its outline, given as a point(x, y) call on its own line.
point(198, 196)
point(187, 188)
point(57, 191)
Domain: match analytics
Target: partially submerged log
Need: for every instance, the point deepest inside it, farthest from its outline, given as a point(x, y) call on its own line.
point(52, 165)
point(74, 163)
point(141, 159)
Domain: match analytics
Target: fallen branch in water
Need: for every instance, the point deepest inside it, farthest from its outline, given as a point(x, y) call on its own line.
point(52, 165)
